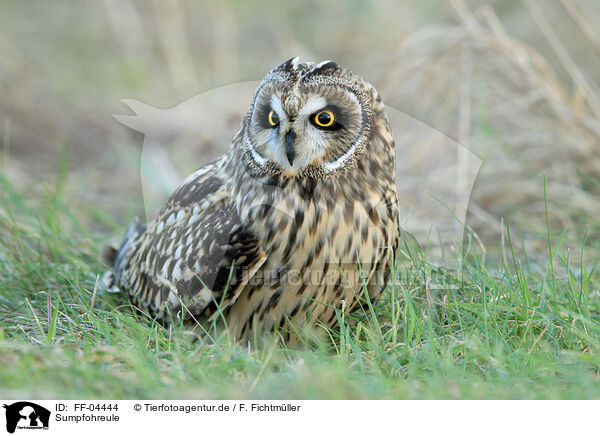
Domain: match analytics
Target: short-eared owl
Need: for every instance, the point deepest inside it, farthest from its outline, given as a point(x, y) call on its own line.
point(299, 217)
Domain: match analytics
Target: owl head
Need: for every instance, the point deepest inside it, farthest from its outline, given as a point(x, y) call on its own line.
point(309, 119)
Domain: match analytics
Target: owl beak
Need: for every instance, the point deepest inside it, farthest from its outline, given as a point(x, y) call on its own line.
point(289, 146)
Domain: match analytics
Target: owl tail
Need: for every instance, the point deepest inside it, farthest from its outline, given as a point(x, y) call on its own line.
point(117, 259)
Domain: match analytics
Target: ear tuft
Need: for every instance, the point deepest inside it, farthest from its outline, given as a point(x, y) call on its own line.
point(325, 67)
point(289, 65)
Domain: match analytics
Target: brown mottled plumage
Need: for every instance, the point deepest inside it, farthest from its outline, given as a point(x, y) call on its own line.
point(281, 228)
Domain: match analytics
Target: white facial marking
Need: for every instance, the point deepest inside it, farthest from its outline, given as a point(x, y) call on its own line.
point(277, 107)
point(339, 162)
point(257, 157)
point(312, 105)
point(274, 149)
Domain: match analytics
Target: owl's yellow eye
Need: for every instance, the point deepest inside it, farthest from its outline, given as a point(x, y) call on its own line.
point(324, 119)
point(273, 119)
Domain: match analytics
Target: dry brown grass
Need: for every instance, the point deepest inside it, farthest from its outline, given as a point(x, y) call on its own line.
point(512, 106)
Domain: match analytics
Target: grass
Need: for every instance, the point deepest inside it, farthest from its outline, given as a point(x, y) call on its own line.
point(517, 330)
point(524, 326)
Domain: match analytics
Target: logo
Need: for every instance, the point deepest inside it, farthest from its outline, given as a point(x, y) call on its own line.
point(26, 415)
point(436, 174)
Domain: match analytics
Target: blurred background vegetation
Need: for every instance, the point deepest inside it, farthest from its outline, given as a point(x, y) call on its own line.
point(515, 82)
